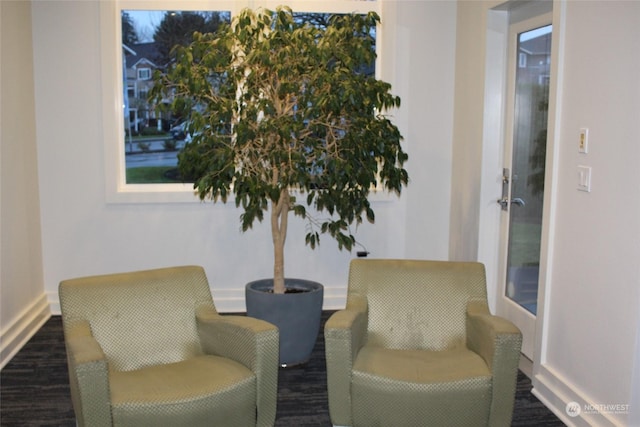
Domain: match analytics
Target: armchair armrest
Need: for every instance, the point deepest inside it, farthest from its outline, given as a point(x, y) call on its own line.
point(252, 342)
point(89, 376)
point(498, 341)
point(345, 333)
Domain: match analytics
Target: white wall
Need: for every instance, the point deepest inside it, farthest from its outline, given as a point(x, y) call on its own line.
point(23, 307)
point(424, 70)
point(595, 283)
point(586, 348)
point(83, 234)
point(467, 131)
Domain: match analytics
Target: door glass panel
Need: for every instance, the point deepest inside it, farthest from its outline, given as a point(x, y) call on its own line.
point(527, 179)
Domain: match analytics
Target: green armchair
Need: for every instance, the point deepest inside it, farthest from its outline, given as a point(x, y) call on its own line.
point(148, 348)
point(417, 346)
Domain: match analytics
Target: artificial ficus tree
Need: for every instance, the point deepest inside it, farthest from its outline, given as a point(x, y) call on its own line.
point(283, 119)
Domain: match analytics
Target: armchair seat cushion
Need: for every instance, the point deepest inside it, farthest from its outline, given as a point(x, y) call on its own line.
point(393, 387)
point(184, 393)
point(420, 366)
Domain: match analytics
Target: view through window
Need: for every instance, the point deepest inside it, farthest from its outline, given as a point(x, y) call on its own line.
point(153, 138)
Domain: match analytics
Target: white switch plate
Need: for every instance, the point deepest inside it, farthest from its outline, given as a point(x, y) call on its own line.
point(583, 143)
point(584, 178)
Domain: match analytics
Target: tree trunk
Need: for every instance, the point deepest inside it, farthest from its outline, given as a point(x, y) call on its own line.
point(279, 217)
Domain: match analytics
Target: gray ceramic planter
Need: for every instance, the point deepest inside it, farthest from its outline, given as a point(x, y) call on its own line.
point(297, 315)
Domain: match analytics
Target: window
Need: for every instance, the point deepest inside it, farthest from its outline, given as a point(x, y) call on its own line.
point(522, 60)
point(144, 73)
point(142, 157)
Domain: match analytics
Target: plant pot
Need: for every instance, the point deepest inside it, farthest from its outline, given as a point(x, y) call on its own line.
point(296, 314)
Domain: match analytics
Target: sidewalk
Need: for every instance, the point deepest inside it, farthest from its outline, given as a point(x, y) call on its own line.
point(154, 144)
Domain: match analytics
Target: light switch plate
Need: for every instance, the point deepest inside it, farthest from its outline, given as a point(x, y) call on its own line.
point(584, 178)
point(583, 144)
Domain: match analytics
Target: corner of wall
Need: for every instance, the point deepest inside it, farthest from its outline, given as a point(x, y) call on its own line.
point(16, 335)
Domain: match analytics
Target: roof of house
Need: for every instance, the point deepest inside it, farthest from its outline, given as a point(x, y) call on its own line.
point(537, 46)
point(144, 52)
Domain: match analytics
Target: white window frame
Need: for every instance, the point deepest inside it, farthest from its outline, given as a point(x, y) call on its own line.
point(117, 190)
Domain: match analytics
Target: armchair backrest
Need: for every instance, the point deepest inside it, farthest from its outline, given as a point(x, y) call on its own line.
point(414, 304)
point(141, 318)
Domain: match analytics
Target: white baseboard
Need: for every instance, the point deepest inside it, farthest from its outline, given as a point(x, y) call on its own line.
point(232, 300)
point(14, 336)
point(526, 366)
point(566, 401)
point(335, 298)
point(54, 302)
point(229, 300)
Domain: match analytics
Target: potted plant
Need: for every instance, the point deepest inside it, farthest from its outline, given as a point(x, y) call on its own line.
point(284, 117)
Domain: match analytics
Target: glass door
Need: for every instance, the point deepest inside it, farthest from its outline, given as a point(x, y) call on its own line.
point(524, 172)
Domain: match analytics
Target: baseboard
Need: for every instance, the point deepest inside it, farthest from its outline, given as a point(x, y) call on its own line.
point(54, 303)
point(229, 300)
point(232, 300)
point(526, 366)
point(335, 297)
point(25, 325)
point(566, 401)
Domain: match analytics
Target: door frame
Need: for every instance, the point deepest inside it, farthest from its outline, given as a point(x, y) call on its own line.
point(493, 149)
point(506, 307)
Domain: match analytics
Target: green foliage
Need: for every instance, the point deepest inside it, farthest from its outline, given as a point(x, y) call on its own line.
point(169, 145)
point(274, 105)
point(151, 131)
point(539, 153)
point(129, 35)
point(144, 147)
point(176, 28)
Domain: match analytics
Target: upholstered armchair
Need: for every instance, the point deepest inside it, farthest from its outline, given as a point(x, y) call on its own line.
point(148, 348)
point(417, 346)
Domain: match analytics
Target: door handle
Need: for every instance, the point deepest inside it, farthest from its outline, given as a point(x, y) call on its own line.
point(504, 202)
